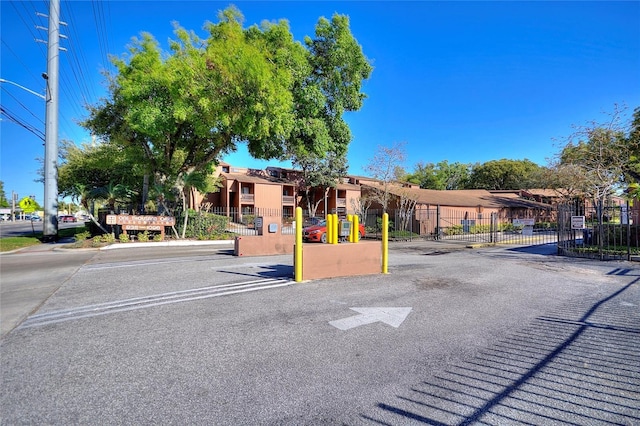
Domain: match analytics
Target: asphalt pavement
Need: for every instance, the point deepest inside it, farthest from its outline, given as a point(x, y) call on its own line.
point(451, 336)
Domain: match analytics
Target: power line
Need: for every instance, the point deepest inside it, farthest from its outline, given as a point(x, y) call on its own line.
point(23, 106)
point(18, 59)
point(15, 119)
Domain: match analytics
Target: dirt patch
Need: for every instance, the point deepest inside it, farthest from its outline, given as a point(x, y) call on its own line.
point(431, 283)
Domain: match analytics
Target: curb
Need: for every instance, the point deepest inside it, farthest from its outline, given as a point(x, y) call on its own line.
point(168, 244)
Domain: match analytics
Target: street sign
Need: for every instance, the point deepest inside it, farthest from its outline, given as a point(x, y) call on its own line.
point(27, 205)
point(577, 222)
point(390, 316)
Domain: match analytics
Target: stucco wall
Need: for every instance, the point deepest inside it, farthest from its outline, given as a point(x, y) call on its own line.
point(268, 196)
point(341, 260)
point(264, 245)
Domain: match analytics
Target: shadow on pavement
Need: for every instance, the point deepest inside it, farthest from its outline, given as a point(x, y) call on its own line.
point(550, 249)
point(264, 271)
point(577, 365)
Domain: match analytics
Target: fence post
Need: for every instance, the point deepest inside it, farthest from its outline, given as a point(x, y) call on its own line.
point(493, 229)
point(600, 215)
point(437, 222)
point(628, 218)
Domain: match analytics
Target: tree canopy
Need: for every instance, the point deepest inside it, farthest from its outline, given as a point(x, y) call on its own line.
point(505, 174)
point(3, 197)
point(442, 175)
point(600, 158)
point(183, 110)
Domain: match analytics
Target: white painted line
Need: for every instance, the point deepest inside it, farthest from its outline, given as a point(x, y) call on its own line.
point(154, 300)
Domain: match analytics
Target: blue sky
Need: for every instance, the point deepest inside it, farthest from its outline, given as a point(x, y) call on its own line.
point(459, 81)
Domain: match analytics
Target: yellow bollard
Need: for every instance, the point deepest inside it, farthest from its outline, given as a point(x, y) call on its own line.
point(385, 243)
point(356, 228)
point(297, 260)
point(329, 226)
point(336, 231)
point(350, 220)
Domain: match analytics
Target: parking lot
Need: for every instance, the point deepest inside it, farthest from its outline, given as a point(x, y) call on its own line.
point(507, 335)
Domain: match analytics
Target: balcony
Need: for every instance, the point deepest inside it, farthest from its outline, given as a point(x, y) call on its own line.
point(341, 202)
point(288, 200)
point(247, 198)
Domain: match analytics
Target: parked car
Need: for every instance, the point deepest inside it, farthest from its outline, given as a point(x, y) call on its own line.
point(318, 233)
point(33, 218)
point(311, 221)
point(67, 218)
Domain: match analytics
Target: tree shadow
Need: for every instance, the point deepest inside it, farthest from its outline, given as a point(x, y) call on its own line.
point(264, 271)
point(577, 365)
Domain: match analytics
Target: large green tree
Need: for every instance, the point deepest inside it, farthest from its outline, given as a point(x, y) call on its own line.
point(185, 109)
point(328, 84)
point(632, 169)
point(442, 175)
point(96, 165)
point(505, 174)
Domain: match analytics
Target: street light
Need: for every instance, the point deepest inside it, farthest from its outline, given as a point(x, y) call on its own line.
point(2, 80)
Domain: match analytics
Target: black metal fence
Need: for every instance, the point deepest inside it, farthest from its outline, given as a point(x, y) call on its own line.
point(604, 231)
point(443, 224)
point(219, 222)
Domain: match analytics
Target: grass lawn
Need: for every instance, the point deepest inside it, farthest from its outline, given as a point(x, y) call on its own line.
point(14, 243)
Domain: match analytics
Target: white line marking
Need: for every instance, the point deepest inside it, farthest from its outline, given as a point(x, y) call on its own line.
point(153, 300)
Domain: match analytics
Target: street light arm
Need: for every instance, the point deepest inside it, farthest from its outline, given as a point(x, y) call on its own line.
point(2, 80)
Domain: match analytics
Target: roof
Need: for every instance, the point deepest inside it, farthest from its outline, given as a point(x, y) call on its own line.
point(465, 198)
point(348, 186)
point(267, 180)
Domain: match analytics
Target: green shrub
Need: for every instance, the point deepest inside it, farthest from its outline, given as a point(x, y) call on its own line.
point(480, 229)
point(453, 230)
point(403, 235)
point(248, 219)
point(123, 237)
point(81, 236)
point(207, 226)
point(108, 238)
point(158, 238)
point(379, 224)
point(143, 237)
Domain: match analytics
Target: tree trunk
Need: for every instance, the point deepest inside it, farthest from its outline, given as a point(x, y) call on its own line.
point(185, 212)
point(145, 192)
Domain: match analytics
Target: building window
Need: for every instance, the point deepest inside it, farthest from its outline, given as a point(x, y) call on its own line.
point(225, 169)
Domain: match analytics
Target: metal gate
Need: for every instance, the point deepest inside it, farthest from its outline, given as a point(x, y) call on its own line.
point(530, 227)
point(604, 231)
point(526, 227)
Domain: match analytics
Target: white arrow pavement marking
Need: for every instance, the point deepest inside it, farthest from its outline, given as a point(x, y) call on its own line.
point(391, 316)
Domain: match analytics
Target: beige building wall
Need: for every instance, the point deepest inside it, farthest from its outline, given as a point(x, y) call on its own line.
point(268, 196)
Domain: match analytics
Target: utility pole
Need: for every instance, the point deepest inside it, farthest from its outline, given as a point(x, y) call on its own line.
point(50, 223)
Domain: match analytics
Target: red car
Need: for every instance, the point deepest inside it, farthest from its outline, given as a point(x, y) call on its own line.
point(318, 233)
point(67, 218)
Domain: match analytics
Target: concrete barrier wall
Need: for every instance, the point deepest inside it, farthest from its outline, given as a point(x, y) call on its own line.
point(341, 260)
point(264, 245)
